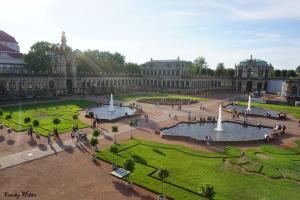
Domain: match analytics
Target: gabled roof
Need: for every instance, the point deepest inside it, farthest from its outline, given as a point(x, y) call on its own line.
point(5, 48)
point(6, 37)
point(12, 53)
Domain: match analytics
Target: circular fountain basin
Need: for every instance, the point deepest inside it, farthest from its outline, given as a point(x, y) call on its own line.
point(253, 110)
point(103, 112)
point(232, 131)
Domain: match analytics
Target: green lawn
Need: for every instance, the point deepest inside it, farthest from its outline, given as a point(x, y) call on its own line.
point(158, 96)
point(188, 169)
point(292, 110)
point(45, 113)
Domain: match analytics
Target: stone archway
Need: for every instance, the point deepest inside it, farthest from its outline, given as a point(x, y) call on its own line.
point(249, 86)
point(239, 86)
point(259, 87)
point(69, 86)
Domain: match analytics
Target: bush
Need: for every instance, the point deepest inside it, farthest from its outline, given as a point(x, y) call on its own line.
point(207, 191)
point(27, 120)
point(96, 133)
point(35, 123)
point(8, 117)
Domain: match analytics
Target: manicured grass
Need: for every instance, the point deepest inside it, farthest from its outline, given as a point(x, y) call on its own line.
point(131, 97)
point(292, 110)
point(188, 169)
point(45, 113)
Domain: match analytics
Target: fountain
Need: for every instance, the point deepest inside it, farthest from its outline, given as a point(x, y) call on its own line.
point(219, 122)
point(111, 104)
point(110, 112)
point(249, 103)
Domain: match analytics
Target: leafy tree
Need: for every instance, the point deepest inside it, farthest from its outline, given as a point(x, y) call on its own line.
point(56, 121)
point(291, 73)
point(115, 129)
point(131, 124)
point(75, 118)
point(93, 143)
point(132, 67)
point(96, 61)
point(277, 73)
point(220, 70)
point(8, 117)
point(284, 73)
point(40, 56)
point(163, 173)
point(96, 133)
point(198, 64)
point(27, 120)
point(298, 69)
point(35, 123)
point(230, 72)
point(207, 191)
point(129, 166)
point(113, 149)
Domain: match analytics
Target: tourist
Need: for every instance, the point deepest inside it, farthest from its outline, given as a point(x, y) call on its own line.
point(210, 139)
point(283, 129)
point(30, 132)
point(299, 122)
point(55, 133)
point(49, 139)
point(94, 124)
point(172, 106)
point(267, 137)
point(169, 115)
point(72, 135)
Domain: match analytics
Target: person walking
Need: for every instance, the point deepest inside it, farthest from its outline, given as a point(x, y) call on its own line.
point(49, 139)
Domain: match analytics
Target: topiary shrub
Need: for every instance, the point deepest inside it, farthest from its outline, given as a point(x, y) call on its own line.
point(207, 191)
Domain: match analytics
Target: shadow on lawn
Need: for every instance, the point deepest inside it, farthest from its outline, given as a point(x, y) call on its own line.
point(159, 152)
point(139, 159)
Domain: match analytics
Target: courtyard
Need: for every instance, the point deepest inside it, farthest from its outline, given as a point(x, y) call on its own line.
point(271, 170)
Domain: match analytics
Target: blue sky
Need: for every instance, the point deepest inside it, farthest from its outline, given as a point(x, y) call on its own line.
point(220, 30)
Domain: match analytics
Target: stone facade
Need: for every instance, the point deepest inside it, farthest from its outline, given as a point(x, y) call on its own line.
point(251, 75)
point(291, 90)
point(156, 76)
point(11, 60)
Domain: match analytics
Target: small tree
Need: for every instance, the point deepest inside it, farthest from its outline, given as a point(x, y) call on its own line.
point(129, 166)
point(75, 118)
point(207, 191)
point(163, 173)
point(94, 142)
point(131, 124)
point(113, 149)
point(8, 118)
point(56, 121)
point(115, 129)
point(96, 133)
point(27, 120)
point(35, 123)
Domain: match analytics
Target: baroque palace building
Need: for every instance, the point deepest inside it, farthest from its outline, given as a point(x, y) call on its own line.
point(251, 75)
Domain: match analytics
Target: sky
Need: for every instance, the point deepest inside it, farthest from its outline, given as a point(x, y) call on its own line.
point(226, 31)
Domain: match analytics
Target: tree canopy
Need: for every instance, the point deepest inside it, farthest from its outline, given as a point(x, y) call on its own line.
point(104, 61)
point(39, 57)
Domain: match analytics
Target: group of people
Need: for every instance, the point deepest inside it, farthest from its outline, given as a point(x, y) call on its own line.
point(280, 129)
point(207, 140)
point(202, 107)
point(55, 135)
